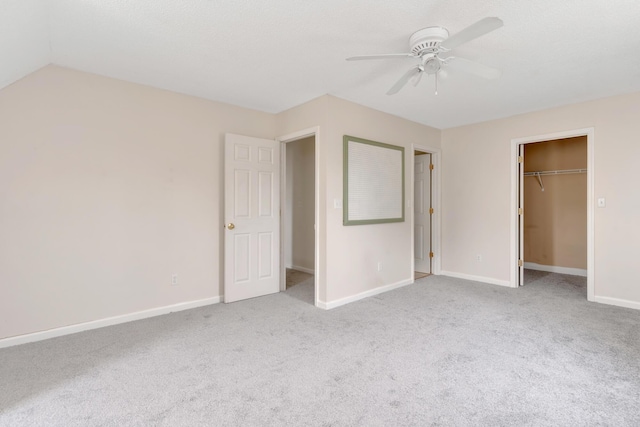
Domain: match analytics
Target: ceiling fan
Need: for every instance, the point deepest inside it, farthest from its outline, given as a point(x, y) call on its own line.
point(427, 44)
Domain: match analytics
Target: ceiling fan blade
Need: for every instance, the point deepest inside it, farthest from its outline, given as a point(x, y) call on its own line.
point(473, 67)
point(403, 81)
point(417, 78)
point(473, 31)
point(380, 56)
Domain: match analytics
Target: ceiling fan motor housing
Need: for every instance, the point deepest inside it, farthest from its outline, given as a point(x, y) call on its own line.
point(427, 40)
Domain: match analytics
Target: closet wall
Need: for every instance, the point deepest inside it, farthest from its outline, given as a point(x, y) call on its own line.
point(555, 220)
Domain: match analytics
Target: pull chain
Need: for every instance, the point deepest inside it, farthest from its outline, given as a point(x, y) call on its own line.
point(436, 82)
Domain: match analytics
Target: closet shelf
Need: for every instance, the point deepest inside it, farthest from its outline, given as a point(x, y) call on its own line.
point(558, 172)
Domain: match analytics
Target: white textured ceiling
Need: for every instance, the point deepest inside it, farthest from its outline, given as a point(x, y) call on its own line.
point(272, 55)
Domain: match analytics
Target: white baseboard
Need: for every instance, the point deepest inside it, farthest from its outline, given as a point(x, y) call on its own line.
point(303, 269)
point(618, 302)
point(362, 295)
point(482, 279)
point(322, 304)
point(109, 321)
point(556, 269)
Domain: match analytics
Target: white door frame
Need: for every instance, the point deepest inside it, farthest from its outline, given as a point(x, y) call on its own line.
point(435, 201)
point(513, 261)
point(284, 140)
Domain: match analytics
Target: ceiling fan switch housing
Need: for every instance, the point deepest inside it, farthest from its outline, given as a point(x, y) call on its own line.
point(427, 40)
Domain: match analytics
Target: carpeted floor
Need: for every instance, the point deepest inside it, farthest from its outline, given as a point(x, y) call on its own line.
point(443, 351)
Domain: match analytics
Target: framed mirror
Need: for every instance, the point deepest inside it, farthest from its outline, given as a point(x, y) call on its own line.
point(373, 182)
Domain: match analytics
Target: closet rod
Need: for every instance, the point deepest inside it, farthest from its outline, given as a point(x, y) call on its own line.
point(558, 172)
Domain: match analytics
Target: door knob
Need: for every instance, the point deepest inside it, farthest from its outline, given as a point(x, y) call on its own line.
point(230, 226)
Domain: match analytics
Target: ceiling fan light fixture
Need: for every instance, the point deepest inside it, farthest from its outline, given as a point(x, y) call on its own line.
point(432, 66)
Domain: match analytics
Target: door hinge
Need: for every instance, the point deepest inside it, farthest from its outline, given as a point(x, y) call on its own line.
point(430, 166)
point(430, 254)
point(431, 211)
point(520, 159)
point(520, 263)
point(519, 211)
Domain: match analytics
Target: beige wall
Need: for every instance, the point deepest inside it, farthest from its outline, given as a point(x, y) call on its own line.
point(302, 156)
point(107, 189)
point(288, 213)
point(555, 220)
point(476, 193)
point(366, 245)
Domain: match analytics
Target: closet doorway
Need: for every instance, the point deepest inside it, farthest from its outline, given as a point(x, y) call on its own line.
point(299, 217)
point(425, 210)
point(555, 206)
point(422, 214)
point(553, 228)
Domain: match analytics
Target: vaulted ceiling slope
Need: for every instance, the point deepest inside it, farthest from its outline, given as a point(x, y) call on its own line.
point(273, 55)
point(24, 39)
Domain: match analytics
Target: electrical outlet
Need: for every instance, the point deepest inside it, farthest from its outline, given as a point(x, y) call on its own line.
point(479, 258)
point(379, 265)
point(174, 279)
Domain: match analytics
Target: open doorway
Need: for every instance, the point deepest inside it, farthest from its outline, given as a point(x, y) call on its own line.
point(555, 212)
point(423, 211)
point(553, 219)
point(299, 218)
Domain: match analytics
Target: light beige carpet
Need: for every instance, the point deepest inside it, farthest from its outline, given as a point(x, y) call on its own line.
point(440, 352)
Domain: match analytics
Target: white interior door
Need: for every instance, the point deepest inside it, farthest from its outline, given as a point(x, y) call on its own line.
point(421, 213)
point(520, 261)
point(252, 217)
